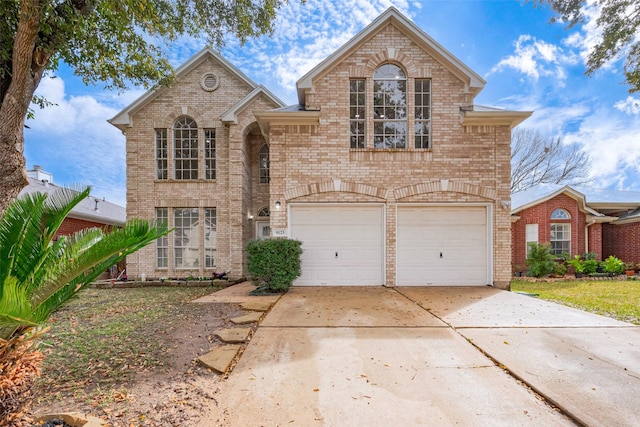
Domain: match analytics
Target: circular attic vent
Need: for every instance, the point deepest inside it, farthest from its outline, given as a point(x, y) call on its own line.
point(210, 82)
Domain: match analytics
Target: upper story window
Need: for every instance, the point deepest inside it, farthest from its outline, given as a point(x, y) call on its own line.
point(185, 139)
point(560, 214)
point(357, 109)
point(209, 154)
point(389, 107)
point(263, 159)
point(422, 113)
point(162, 154)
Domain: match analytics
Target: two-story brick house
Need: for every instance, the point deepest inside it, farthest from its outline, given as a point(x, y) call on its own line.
point(386, 170)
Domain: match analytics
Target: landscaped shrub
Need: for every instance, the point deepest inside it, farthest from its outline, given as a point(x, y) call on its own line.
point(613, 265)
point(274, 263)
point(540, 260)
point(590, 266)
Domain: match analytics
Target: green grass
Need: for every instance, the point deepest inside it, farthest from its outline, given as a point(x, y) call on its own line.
point(619, 299)
point(102, 337)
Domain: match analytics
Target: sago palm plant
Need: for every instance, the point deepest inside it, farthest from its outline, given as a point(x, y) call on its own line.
point(38, 273)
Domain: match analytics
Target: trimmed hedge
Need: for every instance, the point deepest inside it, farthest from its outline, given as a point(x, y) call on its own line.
point(273, 263)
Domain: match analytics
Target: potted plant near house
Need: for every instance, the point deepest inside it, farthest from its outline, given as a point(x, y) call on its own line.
point(613, 266)
point(629, 269)
point(578, 265)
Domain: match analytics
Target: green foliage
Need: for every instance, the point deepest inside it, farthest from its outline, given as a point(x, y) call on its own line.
point(38, 273)
point(120, 42)
point(559, 269)
point(619, 21)
point(590, 266)
point(613, 265)
point(540, 260)
point(577, 263)
point(274, 263)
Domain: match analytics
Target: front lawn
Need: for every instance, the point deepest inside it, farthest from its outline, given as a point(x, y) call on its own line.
point(619, 299)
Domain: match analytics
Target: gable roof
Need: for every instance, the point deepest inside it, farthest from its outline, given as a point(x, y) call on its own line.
point(473, 82)
point(231, 115)
point(124, 119)
point(597, 202)
point(90, 209)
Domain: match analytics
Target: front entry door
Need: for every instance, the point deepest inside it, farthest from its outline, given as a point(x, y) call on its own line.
point(263, 230)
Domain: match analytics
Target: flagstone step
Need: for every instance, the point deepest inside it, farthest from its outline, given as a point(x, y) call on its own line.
point(233, 335)
point(252, 317)
point(257, 305)
point(220, 358)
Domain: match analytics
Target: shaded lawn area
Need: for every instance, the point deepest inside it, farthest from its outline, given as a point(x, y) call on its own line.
point(618, 299)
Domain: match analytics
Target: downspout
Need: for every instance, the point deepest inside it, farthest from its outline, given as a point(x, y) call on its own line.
point(586, 235)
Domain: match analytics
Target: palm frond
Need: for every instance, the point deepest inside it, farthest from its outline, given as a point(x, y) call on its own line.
point(15, 309)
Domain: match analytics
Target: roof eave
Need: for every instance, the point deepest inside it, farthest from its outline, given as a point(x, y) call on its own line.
point(231, 115)
point(267, 118)
point(494, 118)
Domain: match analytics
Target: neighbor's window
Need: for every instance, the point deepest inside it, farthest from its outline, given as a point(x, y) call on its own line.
point(423, 113)
point(185, 138)
point(186, 236)
point(209, 154)
point(162, 154)
point(357, 109)
point(389, 107)
point(560, 238)
point(209, 237)
point(531, 236)
point(162, 243)
point(263, 158)
point(560, 214)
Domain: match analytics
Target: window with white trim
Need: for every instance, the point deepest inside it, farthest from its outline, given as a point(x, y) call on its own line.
point(186, 237)
point(185, 140)
point(560, 238)
point(162, 154)
point(357, 109)
point(263, 159)
point(531, 236)
point(422, 123)
point(209, 154)
point(209, 237)
point(560, 214)
point(162, 243)
point(389, 107)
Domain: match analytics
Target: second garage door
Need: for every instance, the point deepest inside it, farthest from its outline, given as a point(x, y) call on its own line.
point(442, 245)
point(342, 244)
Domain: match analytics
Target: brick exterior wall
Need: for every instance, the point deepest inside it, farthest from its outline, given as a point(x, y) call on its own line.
point(541, 214)
point(475, 160)
point(70, 225)
point(622, 241)
point(235, 193)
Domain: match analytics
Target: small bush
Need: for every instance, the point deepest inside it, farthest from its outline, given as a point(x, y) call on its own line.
point(559, 269)
point(613, 265)
point(274, 263)
point(590, 266)
point(541, 261)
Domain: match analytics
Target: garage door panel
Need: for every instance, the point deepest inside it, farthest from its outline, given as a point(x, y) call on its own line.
point(442, 245)
point(353, 232)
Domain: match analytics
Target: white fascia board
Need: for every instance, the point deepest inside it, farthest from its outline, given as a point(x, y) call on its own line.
point(574, 194)
point(231, 115)
point(494, 118)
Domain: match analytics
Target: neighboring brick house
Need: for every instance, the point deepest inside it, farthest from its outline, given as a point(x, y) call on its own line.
point(386, 170)
point(91, 212)
point(575, 221)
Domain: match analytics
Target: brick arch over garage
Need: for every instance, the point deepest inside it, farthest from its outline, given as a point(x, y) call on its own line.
point(335, 185)
point(445, 186)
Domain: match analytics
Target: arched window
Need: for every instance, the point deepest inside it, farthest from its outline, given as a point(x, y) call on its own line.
point(264, 212)
point(560, 214)
point(263, 159)
point(560, 236)
point(185, 140)
point(389, 107)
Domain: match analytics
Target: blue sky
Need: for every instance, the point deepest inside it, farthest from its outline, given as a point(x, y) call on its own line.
point(529, 64)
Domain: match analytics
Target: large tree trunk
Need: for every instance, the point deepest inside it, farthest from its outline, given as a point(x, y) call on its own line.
point(27, 66)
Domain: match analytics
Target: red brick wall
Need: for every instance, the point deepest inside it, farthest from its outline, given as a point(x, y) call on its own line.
point(622, 241)
point(71, 225)
point(541, 214)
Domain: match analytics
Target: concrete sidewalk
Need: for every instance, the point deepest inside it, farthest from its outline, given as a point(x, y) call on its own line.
point(374, 356)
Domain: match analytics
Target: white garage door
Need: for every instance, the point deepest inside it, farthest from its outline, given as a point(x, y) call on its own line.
point(342, 245)
point(442, 245)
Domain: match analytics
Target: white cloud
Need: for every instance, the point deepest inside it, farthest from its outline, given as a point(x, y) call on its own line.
point(536, 58)
point(630, 105)
point(74, 139)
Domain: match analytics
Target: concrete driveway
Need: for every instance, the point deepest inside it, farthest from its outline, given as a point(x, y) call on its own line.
point(375, 356)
